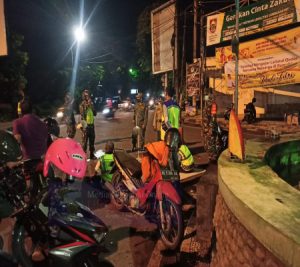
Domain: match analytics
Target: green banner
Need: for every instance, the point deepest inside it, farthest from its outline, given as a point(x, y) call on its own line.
point(257, 17)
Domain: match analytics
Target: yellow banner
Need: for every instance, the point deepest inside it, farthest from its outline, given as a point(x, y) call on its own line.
point(270, 61)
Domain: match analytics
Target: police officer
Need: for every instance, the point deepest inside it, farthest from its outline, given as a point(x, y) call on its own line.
point(171, 113)
point(140, 120)
point(69, 117)
point(88, 113)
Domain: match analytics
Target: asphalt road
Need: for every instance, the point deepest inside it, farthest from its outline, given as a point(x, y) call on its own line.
point(131, 239)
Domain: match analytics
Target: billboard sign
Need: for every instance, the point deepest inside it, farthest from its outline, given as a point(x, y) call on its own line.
point(254, 18)
point(163, 38)
point(265, 62)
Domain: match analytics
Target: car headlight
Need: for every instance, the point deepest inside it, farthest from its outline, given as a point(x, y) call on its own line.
point(105, 111)
point(59, 114)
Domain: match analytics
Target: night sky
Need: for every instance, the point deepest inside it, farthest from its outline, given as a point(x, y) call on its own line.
point(47, 28)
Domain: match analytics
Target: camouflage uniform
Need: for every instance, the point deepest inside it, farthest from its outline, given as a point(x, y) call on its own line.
point(88, 133)
point(140, 119)
point(69, 117)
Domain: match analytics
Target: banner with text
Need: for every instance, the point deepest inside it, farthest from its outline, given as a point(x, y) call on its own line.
point(270, 61)
point(260, 16)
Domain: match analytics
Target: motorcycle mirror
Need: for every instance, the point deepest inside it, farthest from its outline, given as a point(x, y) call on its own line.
point(99, 153)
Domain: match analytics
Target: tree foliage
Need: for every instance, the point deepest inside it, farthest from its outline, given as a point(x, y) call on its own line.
point(12, 68)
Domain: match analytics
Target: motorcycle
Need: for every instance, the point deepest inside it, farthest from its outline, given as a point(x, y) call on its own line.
point(249, 113)
point(227, 112)
point(217, 142)
point(158, 197)
point(108, 112)
point(72, 236)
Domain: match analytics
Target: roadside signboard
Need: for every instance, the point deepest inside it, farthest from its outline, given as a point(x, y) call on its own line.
point(258, 17)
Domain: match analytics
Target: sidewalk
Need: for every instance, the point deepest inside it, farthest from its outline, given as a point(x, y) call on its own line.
point(260, 127)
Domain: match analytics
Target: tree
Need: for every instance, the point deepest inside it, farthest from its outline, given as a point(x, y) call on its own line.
point(12, 69)
point(143, 42)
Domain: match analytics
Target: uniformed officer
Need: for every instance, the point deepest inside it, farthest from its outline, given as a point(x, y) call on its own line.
point(140, 120)
point(88, 113)
point(157, 118)
point(171, 113)
point(69, 117)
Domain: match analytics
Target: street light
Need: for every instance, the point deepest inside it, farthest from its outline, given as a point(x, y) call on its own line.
point(79, 34)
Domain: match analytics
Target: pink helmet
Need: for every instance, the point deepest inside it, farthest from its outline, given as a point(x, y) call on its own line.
point(68, 156)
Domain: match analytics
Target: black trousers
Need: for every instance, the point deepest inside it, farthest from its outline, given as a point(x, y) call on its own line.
point(88, 136)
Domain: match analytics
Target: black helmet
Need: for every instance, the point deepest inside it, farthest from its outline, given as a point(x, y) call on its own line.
point(9, 148)
point(52, 126)
point(172, 138)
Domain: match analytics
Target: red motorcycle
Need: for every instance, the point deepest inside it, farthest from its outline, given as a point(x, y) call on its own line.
point(158, 197)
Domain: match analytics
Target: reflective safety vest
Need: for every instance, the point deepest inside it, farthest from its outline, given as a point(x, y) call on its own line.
point(89, 116)
point(19, 108)
point(187, 159)
point(173, 117)
point(107, 163)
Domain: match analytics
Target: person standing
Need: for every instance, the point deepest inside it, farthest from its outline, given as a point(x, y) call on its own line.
point(88, 113)
point(157, 118)
point(32, 134)
point(140, 119)
point(69, 117)
point(171, 113)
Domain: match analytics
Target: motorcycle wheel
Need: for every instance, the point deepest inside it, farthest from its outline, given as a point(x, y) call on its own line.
point(117, 183)
point(22, 246)
point(1, 243)
point(171, 231)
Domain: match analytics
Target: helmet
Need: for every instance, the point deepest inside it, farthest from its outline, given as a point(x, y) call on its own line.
point(9, 148)
point(172, 138)
point(52, 126)
point(68, 156)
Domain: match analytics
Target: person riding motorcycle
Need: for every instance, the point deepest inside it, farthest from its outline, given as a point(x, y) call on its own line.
point(165, 152)
point(250, 111)
point(186, 158)
point(106, 162)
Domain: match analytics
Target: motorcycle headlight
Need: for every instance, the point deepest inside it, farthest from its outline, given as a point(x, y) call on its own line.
point(105, 111)
point(126, 105)
point(59, 114)
point(99, 237)
point(151, 102)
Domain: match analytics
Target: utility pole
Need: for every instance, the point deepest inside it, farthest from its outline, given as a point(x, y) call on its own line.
point(195, 9)
point(202, 57)
point(235, 44)
point(195, 29)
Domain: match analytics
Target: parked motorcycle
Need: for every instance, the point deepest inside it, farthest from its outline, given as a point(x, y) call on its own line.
point(158, 197)
point(71, 236)
point(218, 141)
point(227, 112)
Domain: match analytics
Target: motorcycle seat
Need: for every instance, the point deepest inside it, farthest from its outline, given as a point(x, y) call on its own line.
point(128, 162)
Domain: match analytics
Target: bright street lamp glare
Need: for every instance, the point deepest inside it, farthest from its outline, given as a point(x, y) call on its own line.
point(79, 34)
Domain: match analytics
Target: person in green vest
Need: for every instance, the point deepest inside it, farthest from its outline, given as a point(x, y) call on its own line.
point(186, 159)
point(171, 113)
point(88, 113)
point(106, 162)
